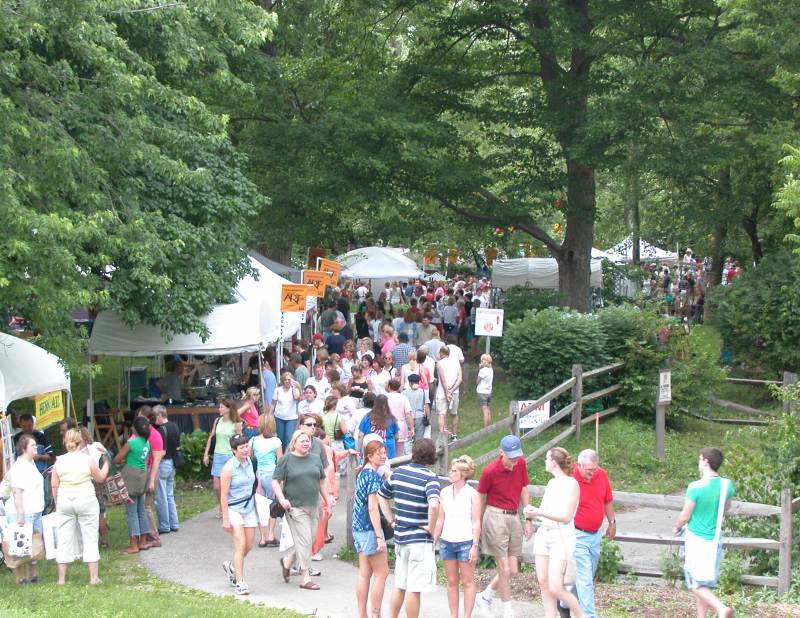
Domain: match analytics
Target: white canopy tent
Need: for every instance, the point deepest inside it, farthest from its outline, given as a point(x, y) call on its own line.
point(287, 272)
point(623, 252)
point(247, 325)
point(379, 264)
point(538, 273)
point(27, 370)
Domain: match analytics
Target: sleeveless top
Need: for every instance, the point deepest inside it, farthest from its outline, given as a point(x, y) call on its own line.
point(225, 430)
point(457, 514)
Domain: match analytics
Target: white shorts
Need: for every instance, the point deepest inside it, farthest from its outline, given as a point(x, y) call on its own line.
point(245, 520)
point(559, 544)
point(415, 567)
point(443, 405)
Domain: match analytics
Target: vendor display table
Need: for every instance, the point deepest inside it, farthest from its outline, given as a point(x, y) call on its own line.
point(189, 418)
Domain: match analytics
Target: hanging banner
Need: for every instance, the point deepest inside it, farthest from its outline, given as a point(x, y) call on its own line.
point(491, 255)
point(318, 279)
point(293, 296)
point(333, 268)
point(49, 409)
point(314, 253)
point(452, 256)
point(431, 257)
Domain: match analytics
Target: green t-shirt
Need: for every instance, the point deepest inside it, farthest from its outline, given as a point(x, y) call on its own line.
point(301, 477)
point(138, 451)
point(705, 495)
point(225, 431)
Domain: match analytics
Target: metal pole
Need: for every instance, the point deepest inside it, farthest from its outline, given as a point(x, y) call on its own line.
point(260, 379)
point(488, 344)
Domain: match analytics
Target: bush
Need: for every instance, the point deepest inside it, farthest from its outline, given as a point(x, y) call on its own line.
point(518, 300)
point(610, 559)
point(759, 314)
point(193, 446)
point(539, 350)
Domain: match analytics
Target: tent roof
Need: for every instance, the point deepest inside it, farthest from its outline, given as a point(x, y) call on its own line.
point(539, 273)
point(287, 272)
point(378, 263)
point(27, 370)
point(623, 251)
point(253, 321)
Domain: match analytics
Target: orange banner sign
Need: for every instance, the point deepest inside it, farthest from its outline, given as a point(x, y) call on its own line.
point(293, 296)
point(333, 268)
point(491, 255)
point(431, 257)
point(318, 279)
point(452, 256)
point(313, 254)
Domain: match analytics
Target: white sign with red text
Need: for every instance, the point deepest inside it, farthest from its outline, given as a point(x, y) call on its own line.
point(488, 322)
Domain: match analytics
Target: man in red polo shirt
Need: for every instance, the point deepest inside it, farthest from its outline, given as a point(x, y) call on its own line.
point(503, 487)
point(596, 502)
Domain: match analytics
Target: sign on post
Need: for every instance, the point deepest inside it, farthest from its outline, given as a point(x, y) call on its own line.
point(664, 386)
point(332, 268)
point(488, 322)
point(318, 279)
point(293, 296)
point(532, 417)
point(49, 409)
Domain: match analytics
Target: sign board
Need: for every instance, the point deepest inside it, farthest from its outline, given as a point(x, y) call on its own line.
point(49, 409)
point(488, 322)
point(293, 296)
point(664, 386)
point(313, 254)
point(431, 257)
point(333, 268)
point(318, 279)
point(532, 417)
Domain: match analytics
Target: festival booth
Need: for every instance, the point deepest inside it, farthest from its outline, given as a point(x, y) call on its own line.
point(379, 265)
point(26, 370)
point(536, 273)
point(623, 252)
point(248, 324)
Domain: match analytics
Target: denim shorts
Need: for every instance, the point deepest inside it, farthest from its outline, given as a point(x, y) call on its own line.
point(454, 551)
point(366, 542)
point(217, 462)
point(35, 519)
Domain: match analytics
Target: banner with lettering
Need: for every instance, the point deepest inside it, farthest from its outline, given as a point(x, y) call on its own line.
point(293, 296)
point(333, 268)
point(49, 409)
point(318, 279)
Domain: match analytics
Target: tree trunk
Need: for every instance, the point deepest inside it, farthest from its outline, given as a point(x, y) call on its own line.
point(575, 255)
point(633, 196)
point(722, 198)
point(750, 225)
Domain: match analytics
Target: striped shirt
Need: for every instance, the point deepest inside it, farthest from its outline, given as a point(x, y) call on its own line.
point(412, 487)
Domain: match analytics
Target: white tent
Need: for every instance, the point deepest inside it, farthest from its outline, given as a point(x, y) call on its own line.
point(251, 322)
point(623, 252)
point(437, 276)
point(538, 273)
point(379, 263)
point(27, 370)
point(287, 272)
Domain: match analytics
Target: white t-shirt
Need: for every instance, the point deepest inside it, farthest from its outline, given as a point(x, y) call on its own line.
point(486, 376)
point(361, 292)
point(379, 380)
point(556, 494)
point(309, 407)
point(285, 404)
point(450, 368)
point(347, 369)
point(25, 476)
point(455, 352)
point(323, 387)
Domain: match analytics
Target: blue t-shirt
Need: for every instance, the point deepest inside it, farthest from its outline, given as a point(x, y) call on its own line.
point(265, 450)
point(411, 487)
point(388, 434)
point(270, 384)
point(368, 482)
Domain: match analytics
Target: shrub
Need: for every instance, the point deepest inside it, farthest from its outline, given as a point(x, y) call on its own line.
point(518, 300)
point(193, 445)
point(671, 565)
point(610, 559)
point(759, 314)
point(539, 350)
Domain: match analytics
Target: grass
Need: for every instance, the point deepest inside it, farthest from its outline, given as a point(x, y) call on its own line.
point(128, 590)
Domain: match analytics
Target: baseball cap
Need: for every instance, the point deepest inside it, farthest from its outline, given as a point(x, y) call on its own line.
point(413, 378)
point(511, 446)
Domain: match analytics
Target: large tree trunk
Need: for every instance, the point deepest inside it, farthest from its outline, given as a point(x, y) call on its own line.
point(575, 255)
point(750, 225)
point(722, 198)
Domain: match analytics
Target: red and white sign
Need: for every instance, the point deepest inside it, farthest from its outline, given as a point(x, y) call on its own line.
point(488, 322)
point(532, 417)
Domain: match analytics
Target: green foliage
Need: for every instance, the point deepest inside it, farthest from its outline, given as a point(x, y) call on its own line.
point(789, 195)
point(518, 300)
point(730, 572)
point(193, 446)
point(671, 564)
point(539, 350)
point(610, 559)
point(759, 315)
point(614, 275)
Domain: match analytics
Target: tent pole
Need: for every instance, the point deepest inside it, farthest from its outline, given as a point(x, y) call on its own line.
point(90, 405)
point(260, 379)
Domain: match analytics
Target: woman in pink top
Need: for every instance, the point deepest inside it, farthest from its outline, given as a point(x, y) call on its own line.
point(249, 413)
point(388, 339)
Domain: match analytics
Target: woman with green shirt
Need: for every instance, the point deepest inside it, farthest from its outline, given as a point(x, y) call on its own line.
point(134, 454)
point(225, 427)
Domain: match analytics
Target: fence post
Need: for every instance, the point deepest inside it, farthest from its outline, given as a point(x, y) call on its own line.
point(443, 459)
point(785, 550)
point(661, 430)
point(788, 378)
point(350, 492)
point(577, 395)
point(513, 412)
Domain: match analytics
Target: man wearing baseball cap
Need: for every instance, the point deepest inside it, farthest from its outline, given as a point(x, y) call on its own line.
point(503, 487)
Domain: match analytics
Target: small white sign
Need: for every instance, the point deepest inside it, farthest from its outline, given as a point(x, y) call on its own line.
point(665, 386)
point(311, 305)
point(532, 417)
point(488, 322)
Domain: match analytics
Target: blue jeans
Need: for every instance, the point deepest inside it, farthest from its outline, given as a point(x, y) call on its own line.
point(284, 430)
point(587, 555)
point(165, 497)
point(137, 516)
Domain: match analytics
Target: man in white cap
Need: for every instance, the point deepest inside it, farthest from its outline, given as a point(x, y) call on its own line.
point(503, 487)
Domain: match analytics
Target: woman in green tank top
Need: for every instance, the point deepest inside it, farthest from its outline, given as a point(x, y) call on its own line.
point(227, 425)
point(134, 453)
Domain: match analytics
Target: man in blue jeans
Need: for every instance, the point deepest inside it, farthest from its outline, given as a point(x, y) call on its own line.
point(596, 501)
point(165, 489)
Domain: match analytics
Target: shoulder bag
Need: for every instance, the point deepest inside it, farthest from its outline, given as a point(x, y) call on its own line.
point(113, 491)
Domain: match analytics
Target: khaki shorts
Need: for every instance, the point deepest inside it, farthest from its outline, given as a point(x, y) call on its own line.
point(548, 541)
point(501, 534)
point(415, 567)
point(443, 406)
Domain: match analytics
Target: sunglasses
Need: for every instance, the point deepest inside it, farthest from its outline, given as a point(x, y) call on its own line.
point(309, 424)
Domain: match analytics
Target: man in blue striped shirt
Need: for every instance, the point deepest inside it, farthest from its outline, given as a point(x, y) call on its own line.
point(415, 491)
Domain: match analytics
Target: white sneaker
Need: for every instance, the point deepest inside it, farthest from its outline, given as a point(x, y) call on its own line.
point(228, 568)
point(241, 588)
point(482, 602)
point(317, 557)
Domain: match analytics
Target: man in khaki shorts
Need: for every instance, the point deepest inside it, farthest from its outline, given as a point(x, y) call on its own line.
point(503, 486)
point(449, 375)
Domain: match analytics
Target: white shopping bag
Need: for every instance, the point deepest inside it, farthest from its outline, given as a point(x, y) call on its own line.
point(20, 539)
point(49, 530)
point(262, 509)
point(286, 536)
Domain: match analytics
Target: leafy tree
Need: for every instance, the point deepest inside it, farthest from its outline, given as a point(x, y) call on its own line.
point(120, 187)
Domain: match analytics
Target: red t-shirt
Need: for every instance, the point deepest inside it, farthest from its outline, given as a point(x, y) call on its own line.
point(156, 443)
point(501, 486)
point(593, 500)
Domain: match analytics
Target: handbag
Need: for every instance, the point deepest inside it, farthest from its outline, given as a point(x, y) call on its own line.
point(276, 510)
point(337, 430)
point(348, 441)
point(36, 551)
point(113, 491)
point(386, 528)
point(17, 540)
point(135, 480)
point(179, 460)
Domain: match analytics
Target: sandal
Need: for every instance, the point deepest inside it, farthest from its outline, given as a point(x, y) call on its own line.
point(309, 586)
point(284, 571)
point(264, 544)
point(272, 543)
point(329, 539)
